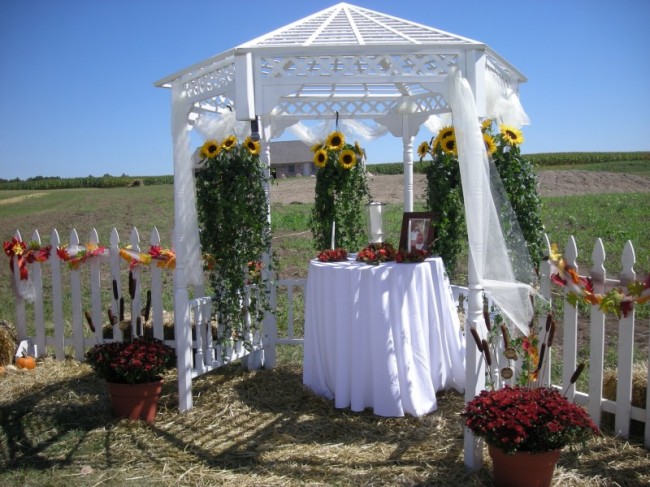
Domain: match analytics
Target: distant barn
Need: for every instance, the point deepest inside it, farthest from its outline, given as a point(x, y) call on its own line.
point(291, 158)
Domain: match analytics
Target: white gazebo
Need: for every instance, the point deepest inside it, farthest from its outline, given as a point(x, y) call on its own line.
point(374, 74)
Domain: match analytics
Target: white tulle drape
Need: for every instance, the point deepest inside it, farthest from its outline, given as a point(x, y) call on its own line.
point(490, 254)
point(186, 226)
point(502, 102)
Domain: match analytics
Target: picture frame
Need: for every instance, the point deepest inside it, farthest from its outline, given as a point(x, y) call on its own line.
point(418, 230)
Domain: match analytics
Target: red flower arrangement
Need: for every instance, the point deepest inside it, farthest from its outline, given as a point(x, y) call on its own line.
point(403, 257)
point(534, 420)
point(376, 253)
point(137, 362)
point(333, 255)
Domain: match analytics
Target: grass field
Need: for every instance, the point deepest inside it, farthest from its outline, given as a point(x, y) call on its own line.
point(262, 428)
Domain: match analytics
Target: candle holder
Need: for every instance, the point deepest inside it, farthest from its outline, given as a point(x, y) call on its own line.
point(375, 222)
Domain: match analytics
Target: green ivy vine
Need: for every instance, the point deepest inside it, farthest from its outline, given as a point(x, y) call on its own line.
point(341, 193)
point(445, 194)
point(235, 233)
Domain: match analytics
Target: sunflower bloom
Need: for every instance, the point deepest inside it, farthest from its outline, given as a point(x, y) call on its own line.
point(320, 158)
point(210, 149)
point(444, 133)
point(448, 145)
point(486, 125)
point(229, 142)
point(423, 149)
point(335, 140)
point(347, 159)
point(316, 147)
point(490, 146)
point(253, 146)
point(511, 135)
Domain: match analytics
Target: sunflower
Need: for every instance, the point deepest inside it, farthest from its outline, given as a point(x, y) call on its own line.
point(229, 142)
point(490, 146)
point(320, 158)
point(423, 149)
point(511, 135)
point(443, 134)
point(448, 145)
point(210, 149)
point(347, 159)
point(359, 150)
point(316, 147)
point(486, 125)
point(335, 140)
point(253, 146)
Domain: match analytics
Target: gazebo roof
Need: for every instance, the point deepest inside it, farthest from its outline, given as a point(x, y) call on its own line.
point(348, 25)
point(346, 60)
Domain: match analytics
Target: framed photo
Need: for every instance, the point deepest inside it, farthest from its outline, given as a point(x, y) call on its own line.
point(418, 231)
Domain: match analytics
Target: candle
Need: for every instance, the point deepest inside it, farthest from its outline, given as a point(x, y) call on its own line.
point(333, 232)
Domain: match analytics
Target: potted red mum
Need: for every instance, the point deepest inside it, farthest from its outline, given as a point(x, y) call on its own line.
point(524, 425)
point(133, 374)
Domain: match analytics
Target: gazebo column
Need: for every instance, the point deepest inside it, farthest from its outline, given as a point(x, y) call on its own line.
point(182, 158)
point(269, 324)
point(407, 158)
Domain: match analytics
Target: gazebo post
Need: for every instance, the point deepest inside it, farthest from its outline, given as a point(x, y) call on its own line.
point(182, 331)
point(474, 366)
point(270, 323)
point(407, 142)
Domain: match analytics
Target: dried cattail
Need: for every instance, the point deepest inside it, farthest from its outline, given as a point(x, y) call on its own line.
point(551, 334)
point(89, 320)
point(121, 309)
point(147, 306)
point(486, 352)
point(111, 317)
point(506, 337)
point(578, 371)
point(549, 320)
point(477, 339)
point(542, 352)
point(486, 317)
point(131, 285)
point(116, 296)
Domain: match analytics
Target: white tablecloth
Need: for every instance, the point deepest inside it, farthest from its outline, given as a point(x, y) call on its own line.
point(385, 337)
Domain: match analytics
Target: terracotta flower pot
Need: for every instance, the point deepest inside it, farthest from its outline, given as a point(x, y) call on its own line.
point(135, 401)
point(523, 469)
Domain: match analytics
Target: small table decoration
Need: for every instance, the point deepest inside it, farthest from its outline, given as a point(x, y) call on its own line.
point(416, 256)
point(376, 253)
point(333, 255)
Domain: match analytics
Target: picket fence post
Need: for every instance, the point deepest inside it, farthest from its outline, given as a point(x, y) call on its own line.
point(570, 339)
point(36, 273)
point(21, 324)
point(625, 350)
point(57, 298)
point(156, 291)
point(597, 334)
point(96, 291)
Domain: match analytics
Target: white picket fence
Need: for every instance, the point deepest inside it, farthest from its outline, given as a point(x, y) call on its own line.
point(207, 355)
point(593, 399)
point(567, 335)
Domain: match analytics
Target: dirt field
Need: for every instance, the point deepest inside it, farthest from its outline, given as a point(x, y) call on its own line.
point(389, 189)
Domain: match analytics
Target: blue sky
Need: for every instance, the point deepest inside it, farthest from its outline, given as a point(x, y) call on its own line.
point(76, 76)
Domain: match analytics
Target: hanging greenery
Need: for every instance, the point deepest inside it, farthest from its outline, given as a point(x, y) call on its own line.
point(235, 232)
point(520, 183)
point(445, 196)
point(340, 195)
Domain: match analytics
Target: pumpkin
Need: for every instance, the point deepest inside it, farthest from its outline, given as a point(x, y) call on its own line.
point(26, 362)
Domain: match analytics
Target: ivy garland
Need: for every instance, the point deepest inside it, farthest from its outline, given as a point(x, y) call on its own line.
point(235, 232)
point(341, 193)
point(445, 194)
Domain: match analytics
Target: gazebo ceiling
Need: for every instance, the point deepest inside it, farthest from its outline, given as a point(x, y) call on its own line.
point(345, 59)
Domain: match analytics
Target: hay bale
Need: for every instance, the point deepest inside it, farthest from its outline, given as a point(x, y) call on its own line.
point(639, 391)
point(8, 342)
